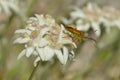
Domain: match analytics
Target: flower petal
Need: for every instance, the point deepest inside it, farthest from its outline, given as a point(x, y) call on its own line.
point(78, 13)
point(35, 53)
point(44, 31)
point(48, 53)
point(65, 54)
point(31, 19)
point(36, 61)
point(41, 53)
point(43, 42)
point(22, 31)
point(59, 55)
point(21, 40)
point(95, 27)
point(29, 51)
point(82, 26)
point(22, 53)
point(40, 19)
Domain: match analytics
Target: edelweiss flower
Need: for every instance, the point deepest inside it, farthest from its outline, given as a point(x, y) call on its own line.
point(92, 16)
point(86, 18)
point(44, 38)
point(111, 18)
point(7, 5)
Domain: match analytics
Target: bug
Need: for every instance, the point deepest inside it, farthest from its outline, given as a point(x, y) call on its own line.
point(77, 35)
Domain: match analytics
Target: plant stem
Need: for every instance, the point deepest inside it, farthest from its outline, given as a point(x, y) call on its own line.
point(33, 72)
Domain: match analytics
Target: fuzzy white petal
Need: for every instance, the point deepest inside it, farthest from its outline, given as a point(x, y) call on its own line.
point(66, 21)
point(40, 19)
point(59, 55)
point(72, 52)
point(22, 53)
point(44, 31)
point(43, 42)
point(117, 23)
point(82, 26)
point(95, 27)
point(14, 7)
point(48, 53)
point(35, 53)
point(30, 27)
point(31, 19)
point(5, 7)
point(21, 40)
point(22, 31)
point(36, 61)
point(65, 54)
point(77, 14)
point(41, 53)
point(29, 51)
point(74, 45)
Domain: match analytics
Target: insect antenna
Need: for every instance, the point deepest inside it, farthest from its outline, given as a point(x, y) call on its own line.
point(90, 39)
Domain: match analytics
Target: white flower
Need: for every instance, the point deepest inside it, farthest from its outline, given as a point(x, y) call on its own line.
point(92, 16)
point(44, 38)
point(7, 6)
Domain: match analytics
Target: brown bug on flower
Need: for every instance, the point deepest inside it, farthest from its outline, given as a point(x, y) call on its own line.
point(77, 35)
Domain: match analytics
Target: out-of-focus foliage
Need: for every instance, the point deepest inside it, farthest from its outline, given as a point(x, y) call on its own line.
point(91, 62)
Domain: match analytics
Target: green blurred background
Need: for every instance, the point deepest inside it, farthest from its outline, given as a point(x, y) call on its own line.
point(92, 62)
